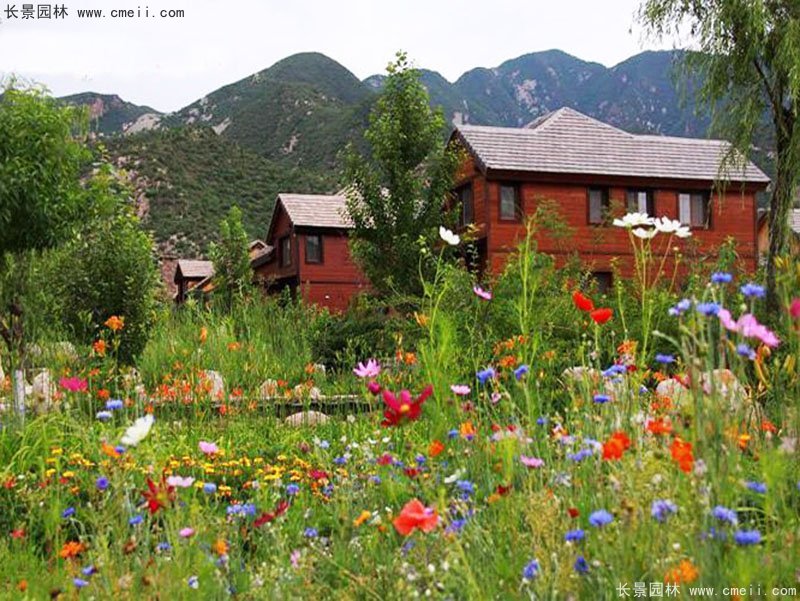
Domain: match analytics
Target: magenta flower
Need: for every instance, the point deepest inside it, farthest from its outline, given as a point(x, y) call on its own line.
point(460, 389)
point(180, 481)
point(74, 384)
point(370, 370)
point(532, 462)
point(209, 448)
point(186, 532)
point(481, 293)
point(794, 308)
point(748, 326)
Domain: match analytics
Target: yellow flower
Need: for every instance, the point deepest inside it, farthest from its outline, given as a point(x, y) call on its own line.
point(362, 517)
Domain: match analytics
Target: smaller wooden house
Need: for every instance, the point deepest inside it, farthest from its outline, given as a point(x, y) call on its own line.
point(311, 255)
point(763, 233)
point(189, 274)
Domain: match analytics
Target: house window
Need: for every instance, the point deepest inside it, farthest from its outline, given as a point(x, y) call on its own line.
point(693, 209)
point(598, 205)
point(509, 203)
point(604, 280)
point(641, 201)
point(286, 251)
point(314, 249)
point(467, 205)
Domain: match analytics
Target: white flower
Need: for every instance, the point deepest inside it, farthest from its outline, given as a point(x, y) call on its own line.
point(448, 236)
point(138, 431)
point(454, 476)
point(665, 225)
point(683, 232)
point(633, 219)
point(644, 234)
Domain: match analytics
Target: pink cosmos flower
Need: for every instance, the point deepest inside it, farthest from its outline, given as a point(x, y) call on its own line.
point(748, 326)
point(495, 398)
point(532, 462)
point(209, 448)
point(460, 389)
point(370, 370)
point(180, 481)
point(794, 308)
point(74, 384)
point(186, 532)
point(481, 293)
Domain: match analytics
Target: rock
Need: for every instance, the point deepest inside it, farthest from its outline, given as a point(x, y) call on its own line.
point(726, 385)
point(268, 389)
point(673, 389)
point(214, 383)
point(306, 418)
point(42, 392)
point(315, 394)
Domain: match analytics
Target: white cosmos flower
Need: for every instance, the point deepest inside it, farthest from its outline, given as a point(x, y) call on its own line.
point(683, 232)
point(448, 236)
point(138, 431)
point(457, 475)
point(634, 219)
point(672, 226)
point(644, 234)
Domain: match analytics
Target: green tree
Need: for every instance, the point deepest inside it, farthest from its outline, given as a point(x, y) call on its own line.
point(396, 196)
point(749, 57)
point(233, 276)
point(41, 199)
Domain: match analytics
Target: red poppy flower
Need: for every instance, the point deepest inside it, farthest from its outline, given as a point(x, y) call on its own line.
point(415, 515)
point(682, 453)
point(385, 459)
point(435, 448)
point(268, 516)
point(616, 446)
point(573, 512)
point(158, 497)
point(403, 408)
point(503, 490)
point(601, 316)
point(584, 303)
point(659, 426)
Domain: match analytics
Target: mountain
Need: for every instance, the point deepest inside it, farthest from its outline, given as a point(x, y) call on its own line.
point(110, 114)
point(300, 111)
point(186, 179)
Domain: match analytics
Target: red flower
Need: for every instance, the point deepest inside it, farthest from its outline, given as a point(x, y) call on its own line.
point(266, 517)
point(415, 515)
point(435, 448)
point(318, 475)
point(573, 512)
point(403, 409)
point(158, 497)
point(503, 490)
point(682, 453)
point(601, 316)
point(385, 459)
point(584, 303)
point(659, 426)
point(616, 446)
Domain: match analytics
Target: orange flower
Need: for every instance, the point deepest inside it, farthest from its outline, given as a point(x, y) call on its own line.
point(22, 586)
point(768, 426)
point(115, 323)
point(743, 441)
point(682, 453)
point(235, 346)
point(203, 334)
point(410, 359)
point(220, 547)
point(109, 450)
point(601, 316)
point(659, 426)
point(684, 573)
point(435, 448)
point(584, 303)
point(104, 394)
point(508, 361)
point(71, 549)
point(415, 515)
point(99, 348)
point(362, 517)
point(615, 446)
point(467, 430)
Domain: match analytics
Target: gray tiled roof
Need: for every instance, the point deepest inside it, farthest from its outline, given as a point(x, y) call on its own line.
point(195, 269)
point(566, 141)
point(316, 210)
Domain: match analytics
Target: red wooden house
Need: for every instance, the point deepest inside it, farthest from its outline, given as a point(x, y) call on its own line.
point(311, 256)
point(591, 171)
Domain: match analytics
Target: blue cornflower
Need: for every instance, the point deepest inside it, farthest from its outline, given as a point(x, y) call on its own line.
point(665, 359)
point(600, 518)
point(88, 570)
point(420, 459)
point(407, 546)
point(758, 487)
point(120, 449)
point(68, 512)
point(682, 307)
point(708, 309)
point(209, 488)
point(721, 277)
point(752, 290)
point(340, 460)
point(580, 455)
point(615, 370)
point(521, 371)
point(661, 509)
point(243, 509)
point(323, 444)
point(104, 416)
point(601, 398)
point(486, 374)
point(745, 351)
point(193, 582)
point(466, 487)
point(541, 421)
point(310, 533)
point(80, 582)
point(581, 565)
point(327, 490)
point(137, 519)
point(292, 489)
point(101, 483)
point(164, 546)
point(574, 536)
point(455, 526)
point(747, 537)
point(113, 404)
point(452, 434)
point(375, 479)
point(723, 514)
point(531, 570)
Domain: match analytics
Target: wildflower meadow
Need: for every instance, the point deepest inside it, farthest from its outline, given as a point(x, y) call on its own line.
point(522, 437)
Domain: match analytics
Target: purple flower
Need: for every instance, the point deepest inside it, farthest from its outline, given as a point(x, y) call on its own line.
point(80, 582)
point(665, 359)
point(708, 309)
point(104, 416)
point(752, 290)
point(600, 518)
point(531, 570)
point(486, 374)
point(101, 483)
point(723, 514)
point(68, 512)
point(601, 398)
point(661, 509)
point(114, 404)
point(682, 307)
point(581, 565)
point(721, 277)
point(575, 536)
point(532, 462)
point(521, 371)
point(369, 370)
point(758, 487)
point(745, 351)
point(292, 489)
point(311, 533)
point(747, 537)
point(481, 293)
point(460, 389)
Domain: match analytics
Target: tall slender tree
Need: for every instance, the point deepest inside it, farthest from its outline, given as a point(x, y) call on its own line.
point(749, 57)
point(232, 274)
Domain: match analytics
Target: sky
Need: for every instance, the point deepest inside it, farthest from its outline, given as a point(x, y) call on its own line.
point(168, 63)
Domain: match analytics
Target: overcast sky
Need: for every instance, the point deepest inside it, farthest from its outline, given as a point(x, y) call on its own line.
point(168, 63)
